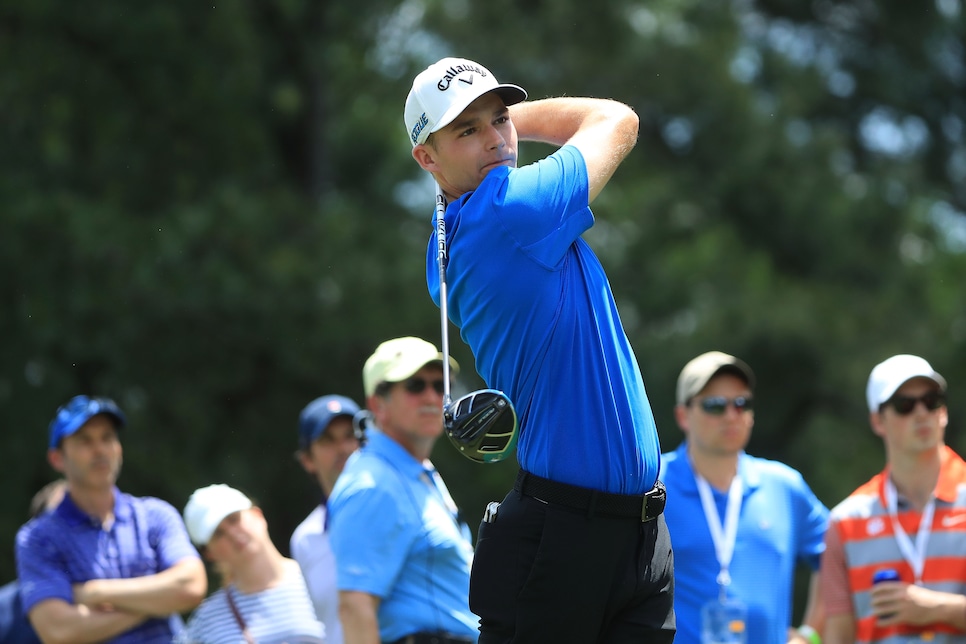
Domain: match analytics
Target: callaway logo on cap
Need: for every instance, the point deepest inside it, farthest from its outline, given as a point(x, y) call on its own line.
point(446, 88)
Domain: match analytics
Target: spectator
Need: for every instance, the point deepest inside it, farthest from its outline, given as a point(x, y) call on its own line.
point(910, 518)
point(104, 565)
point(737, 519)
point(402, 554)
point(534, 304)
point(327, 437)
point(15, 628)
point(264, 598)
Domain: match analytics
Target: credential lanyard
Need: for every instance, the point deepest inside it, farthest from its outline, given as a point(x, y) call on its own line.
point(914, 554)
point(722, 535)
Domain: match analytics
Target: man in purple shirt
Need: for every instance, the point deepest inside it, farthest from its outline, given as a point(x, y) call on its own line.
point(104, 565)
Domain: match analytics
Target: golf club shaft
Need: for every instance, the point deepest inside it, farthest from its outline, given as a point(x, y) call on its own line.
point(443, 312)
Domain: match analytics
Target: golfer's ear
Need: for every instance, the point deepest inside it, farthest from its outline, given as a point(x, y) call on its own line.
point(423, 154)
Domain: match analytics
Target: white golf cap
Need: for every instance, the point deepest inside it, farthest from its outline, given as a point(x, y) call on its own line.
point(699, 371)
point(396, 360)
point(208, 507)
point(888, 376)
point(444, 89)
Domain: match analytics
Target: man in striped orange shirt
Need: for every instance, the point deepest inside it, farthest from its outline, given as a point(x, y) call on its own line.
point(910, 518)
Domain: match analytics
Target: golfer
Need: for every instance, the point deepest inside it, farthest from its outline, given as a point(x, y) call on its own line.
point(579, 550)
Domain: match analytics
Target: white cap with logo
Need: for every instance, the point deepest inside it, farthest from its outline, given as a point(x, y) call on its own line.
point(398, 359)
point(446, 88)
point(889, 375)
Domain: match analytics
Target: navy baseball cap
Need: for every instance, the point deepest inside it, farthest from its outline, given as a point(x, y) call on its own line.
point(319, 413)
point(77, 411)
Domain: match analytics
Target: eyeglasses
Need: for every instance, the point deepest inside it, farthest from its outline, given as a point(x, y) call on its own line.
point(718, 405)
point(905, 405)
point(418, 385)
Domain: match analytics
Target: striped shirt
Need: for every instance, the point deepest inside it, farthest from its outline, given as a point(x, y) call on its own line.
point(861, 540)
point(282, 613)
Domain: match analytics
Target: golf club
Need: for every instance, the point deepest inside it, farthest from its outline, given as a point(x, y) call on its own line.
point(482, 424)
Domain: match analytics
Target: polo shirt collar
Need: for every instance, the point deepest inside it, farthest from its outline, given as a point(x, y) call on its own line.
point(73, 515)
point(750, 477)
point(952, 471)
point(388, 449)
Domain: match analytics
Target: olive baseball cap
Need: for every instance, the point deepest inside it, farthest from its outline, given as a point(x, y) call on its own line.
point(398, 359)
point(699, 371)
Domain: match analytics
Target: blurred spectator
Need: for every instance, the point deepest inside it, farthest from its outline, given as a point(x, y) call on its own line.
point(736, 519)
point(402, 554)
point(263, 598)
point(104, 565)
point(15, 628)
point(327, 437)
point(909, 519)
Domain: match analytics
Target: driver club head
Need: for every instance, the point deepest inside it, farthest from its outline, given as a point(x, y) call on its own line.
point(482, 425)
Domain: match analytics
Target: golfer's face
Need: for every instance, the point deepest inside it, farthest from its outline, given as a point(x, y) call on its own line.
point(480, 139)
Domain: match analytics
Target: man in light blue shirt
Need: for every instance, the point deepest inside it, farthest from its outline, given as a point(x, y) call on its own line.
point(402, 555)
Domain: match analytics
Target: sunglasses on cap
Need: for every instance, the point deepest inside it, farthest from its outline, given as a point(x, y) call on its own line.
point(905, 405)
point(417, 385)
point(718, 405)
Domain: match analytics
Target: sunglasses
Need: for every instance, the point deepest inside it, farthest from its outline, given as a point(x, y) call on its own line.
point(718, 405)
point(905, 405)
point(418, 385)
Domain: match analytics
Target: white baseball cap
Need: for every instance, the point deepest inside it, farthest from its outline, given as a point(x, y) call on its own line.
point(208, 507)
point(889, 375)
point(398, 359)
point(446, 88)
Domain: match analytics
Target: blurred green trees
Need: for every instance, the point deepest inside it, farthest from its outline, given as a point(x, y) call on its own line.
point(210, 214)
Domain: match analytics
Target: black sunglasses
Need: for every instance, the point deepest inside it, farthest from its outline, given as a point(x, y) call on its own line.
point(905, 405)
point(718, 405)
point(418, 385)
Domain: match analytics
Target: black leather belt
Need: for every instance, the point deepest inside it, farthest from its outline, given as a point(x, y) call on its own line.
point(646, 507)
point(433, 638)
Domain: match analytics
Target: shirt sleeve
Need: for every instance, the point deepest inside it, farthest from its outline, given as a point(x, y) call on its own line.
point(814, 526)
point(168, 534)
point(39, 567)
point(545, 205)
point(834, 585)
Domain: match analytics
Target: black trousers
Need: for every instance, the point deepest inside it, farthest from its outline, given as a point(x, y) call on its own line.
point(544, 572)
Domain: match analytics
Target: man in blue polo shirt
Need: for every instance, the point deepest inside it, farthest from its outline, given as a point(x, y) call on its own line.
point(104, 565)
point(402, 554)
point(578, 552)
point(740, 524)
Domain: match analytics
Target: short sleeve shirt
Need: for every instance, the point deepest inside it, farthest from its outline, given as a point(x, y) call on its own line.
point(66, 547)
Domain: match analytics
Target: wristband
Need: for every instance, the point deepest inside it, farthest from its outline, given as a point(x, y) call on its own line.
point(809, 634)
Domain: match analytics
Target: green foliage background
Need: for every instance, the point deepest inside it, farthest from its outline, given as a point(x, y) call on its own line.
point(209, 213)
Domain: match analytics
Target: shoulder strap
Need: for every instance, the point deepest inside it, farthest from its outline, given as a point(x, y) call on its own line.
point(238, 618)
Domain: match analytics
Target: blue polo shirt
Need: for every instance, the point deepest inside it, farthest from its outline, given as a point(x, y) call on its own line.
point(66, 547)
point(395, 534)
point(781, 524)
point(533, 303)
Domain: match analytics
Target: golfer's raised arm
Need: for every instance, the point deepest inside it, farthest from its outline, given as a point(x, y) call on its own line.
point(604, 131)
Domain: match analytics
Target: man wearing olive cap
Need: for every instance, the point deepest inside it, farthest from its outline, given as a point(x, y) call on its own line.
point(402, 554)
point(104, 565)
